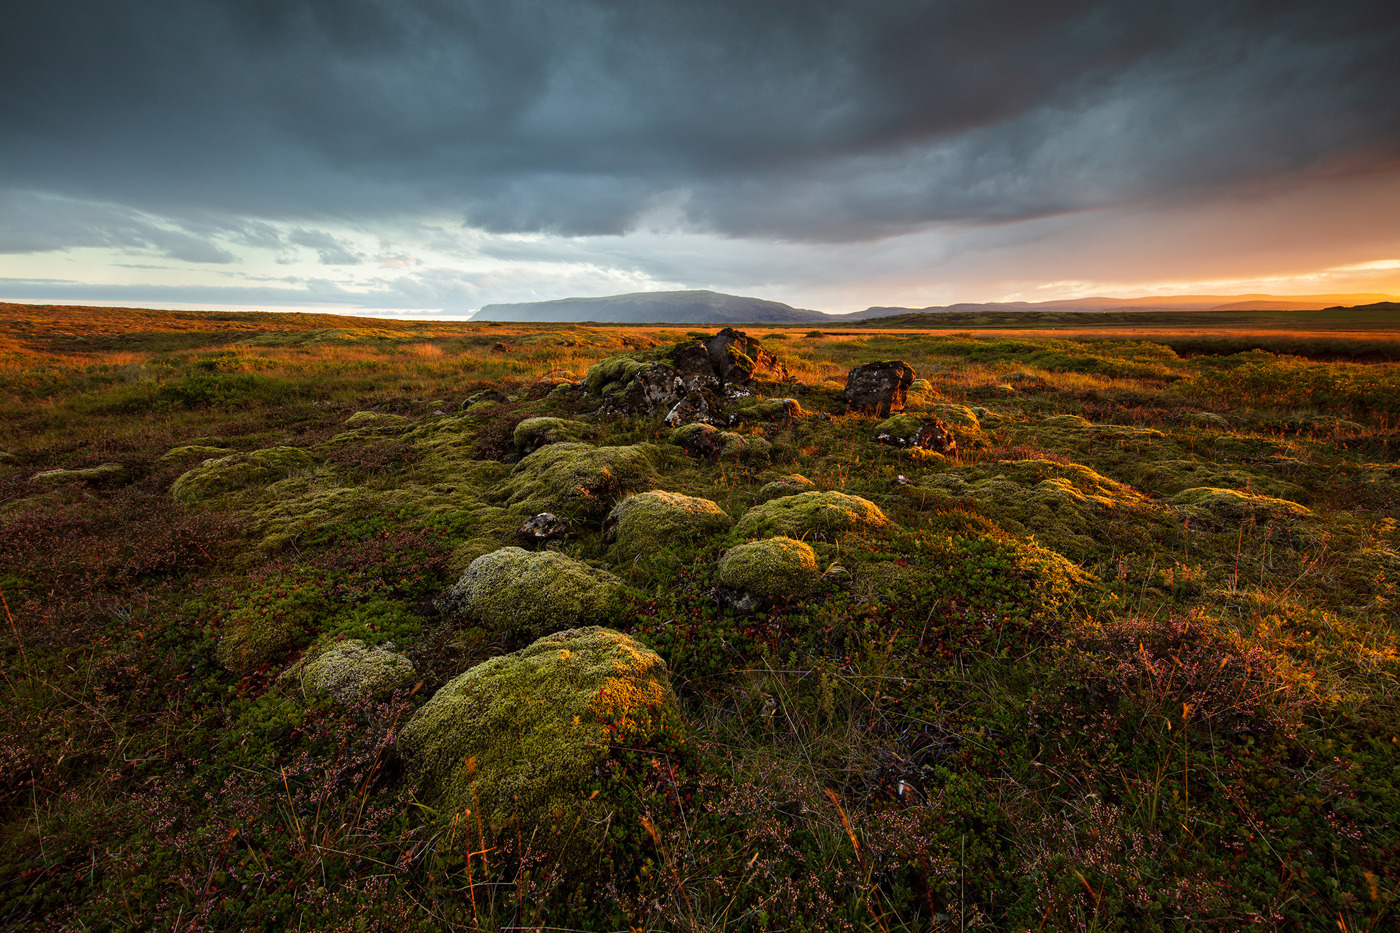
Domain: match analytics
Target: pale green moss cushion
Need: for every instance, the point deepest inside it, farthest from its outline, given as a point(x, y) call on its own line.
point(657, 518)
point(775, 568)
point(240, 471)
point(520, 735)
point(350, 671)
point(513, 590)
point(1231, 505)
point(811, 513)
point(578, 480)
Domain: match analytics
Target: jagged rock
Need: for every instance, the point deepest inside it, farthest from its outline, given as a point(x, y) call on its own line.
point(878, 388)
point(906, 432)
point(699, 407)
point(543, 527)
point(736, 357)
point(652, 519)
point(517, 739)
point(512, 590)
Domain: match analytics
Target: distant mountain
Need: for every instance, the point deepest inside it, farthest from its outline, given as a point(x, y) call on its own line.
point(690, 307)
point(1171, 303)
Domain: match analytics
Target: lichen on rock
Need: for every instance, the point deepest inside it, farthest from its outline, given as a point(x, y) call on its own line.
point(655, 519)
point(774, 568)
point(811, 513)
point(518, 737)
point(240, 471)
point(515, 591)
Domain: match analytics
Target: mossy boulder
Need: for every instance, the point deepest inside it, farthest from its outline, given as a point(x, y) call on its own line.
point(707, 442)
point(811, 513)
point(376, 419)
point(578, 480)
point(240, 471)
point(80, 475)
point(350, 671)
point(771, 409)
point(774, 568)
point(533, 433)
point(652, 520)
point(789, 485)
point(611, 374)
point(518, 739)
point(516, 591)
point(195, 452)
point(1231, 506)
point(1064, 505)
point(959, 417)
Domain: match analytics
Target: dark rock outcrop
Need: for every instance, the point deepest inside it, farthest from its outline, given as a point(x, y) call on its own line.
point(878, 388)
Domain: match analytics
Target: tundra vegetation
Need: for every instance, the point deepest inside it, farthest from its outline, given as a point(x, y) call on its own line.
point(277, 654)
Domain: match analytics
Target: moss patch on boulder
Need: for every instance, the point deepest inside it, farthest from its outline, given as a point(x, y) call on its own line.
point(240, 471)
point(533, 433)
point(774, 568)
point(811, 513)
point(578, 480)
point(513, 590)
point(80, 475)
point(789, 485)
point(1230, 506)
point(520, 736)
point(652, 520)
point(350, 671)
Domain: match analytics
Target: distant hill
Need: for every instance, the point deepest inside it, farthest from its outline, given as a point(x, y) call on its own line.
point(689, 307)
point(1170, 303)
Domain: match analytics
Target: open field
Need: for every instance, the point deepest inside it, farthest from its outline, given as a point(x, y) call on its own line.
point(1127, 659)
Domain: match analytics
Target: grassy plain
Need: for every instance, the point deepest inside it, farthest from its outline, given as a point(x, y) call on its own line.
point(1128, 661)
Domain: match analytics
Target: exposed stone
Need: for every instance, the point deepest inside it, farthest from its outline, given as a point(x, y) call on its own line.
point(907, 431)
point(773, 569)
point(546, 526)
point(517, 738)
point(515, 591)
point(699, 407)
point(736, 357)
point(878, 388)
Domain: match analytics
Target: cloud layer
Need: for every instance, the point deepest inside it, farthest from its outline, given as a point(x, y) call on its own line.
point(203, 132)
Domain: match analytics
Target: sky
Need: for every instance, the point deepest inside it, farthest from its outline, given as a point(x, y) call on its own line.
point(428, 157)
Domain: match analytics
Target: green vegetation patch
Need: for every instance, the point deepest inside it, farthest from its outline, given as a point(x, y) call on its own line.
point(518, 739)
point(79, 475)
point(240, 471)
point(538, 432)
point(512, 591)
point(657, 519)
point(578, 480)
point(350, 671)
point(1231, 506)
point(811, 514)
point(774, 568)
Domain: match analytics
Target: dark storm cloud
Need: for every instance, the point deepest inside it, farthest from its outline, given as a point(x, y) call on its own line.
point(806, 120)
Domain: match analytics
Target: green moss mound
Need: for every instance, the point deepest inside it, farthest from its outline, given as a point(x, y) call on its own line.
point(240, 471)
point(775, 568)
point(195, 452)
point(1230, 506)
point(538, 432)
point(82, 475)
point(789, 485)
point(350, 671)
point(518, 739)
point(811, 513)
point(1061, 504)
point(613, 372)
point(513, 590)
point(376, 419)
point(656, 519)
point(578, 480)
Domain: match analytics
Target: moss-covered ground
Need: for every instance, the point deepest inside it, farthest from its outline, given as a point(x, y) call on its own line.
point(1127, 660)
